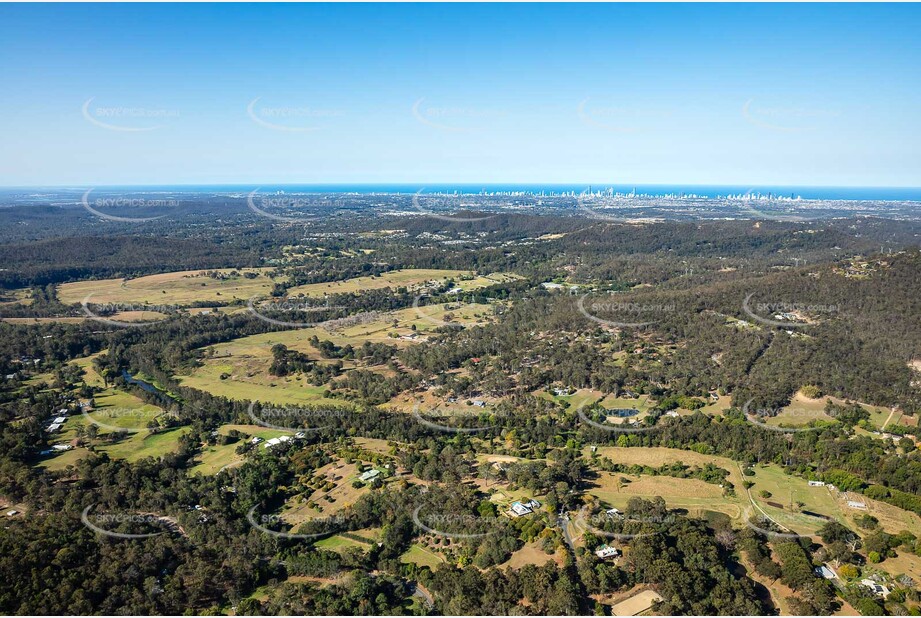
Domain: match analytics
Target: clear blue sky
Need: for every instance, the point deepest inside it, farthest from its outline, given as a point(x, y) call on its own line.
point(698, 94)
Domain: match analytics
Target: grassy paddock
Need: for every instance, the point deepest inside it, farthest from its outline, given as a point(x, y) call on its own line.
point(173, 288)
point(408, 277)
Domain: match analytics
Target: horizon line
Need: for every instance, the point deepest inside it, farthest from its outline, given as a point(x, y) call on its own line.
point(460, 184)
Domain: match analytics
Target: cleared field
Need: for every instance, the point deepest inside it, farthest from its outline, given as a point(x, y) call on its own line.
point(420, 556)
point(251, 381)
point(637, 604)
point(213, 458)
point(531, 553)
point(135, 447)
point(719, 406)
point(373, 444)
point(641, 403)
point(339, 542)
point(266, 433)
point(660, 456)
point(121, 316)
point(245, 362)
point(802, 410)
point(145, 444)
point(788, 490)
point(71, 320)
point(118, 410)
point(67, 458)
point(697, 496)
point(174, 288)
point(692, 494)
point(408, 278)
point(20, 296)
point(580, 397)
point(342, 495)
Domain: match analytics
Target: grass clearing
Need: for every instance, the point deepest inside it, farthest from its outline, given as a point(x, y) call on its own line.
point(244, 363)
point(410, 278)
point(67, 458)
point(213, 458)
point(145, 444)
point(531, 553)
point(174, 288)
point(642, 403)
point(420, 556)
point(803, 410)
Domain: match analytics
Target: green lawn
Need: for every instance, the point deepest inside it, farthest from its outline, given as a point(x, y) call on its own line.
point(581, 397)
point(174, 288)
point(420, 556)
point(407, 277)
point(144, 444)
point(213, 458)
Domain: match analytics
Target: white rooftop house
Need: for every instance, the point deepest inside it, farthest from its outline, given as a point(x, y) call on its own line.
point(816, 484)
point(606, 551)
point(60, 420)
point(613, 513)
point(369, 475)
point(519, 509)
point(857, 505)
point(877, 589)
point(53, 427)
point(824, 571)
point(276, 441)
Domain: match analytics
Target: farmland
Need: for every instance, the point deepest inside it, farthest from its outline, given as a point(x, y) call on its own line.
point(173, 288)
point(410, 278)
point(802, 410)
point(244, 362)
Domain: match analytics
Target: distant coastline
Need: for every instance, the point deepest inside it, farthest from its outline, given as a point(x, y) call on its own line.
point(709, 191)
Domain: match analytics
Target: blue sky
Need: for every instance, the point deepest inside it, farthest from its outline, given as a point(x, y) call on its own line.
point(698, 94)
